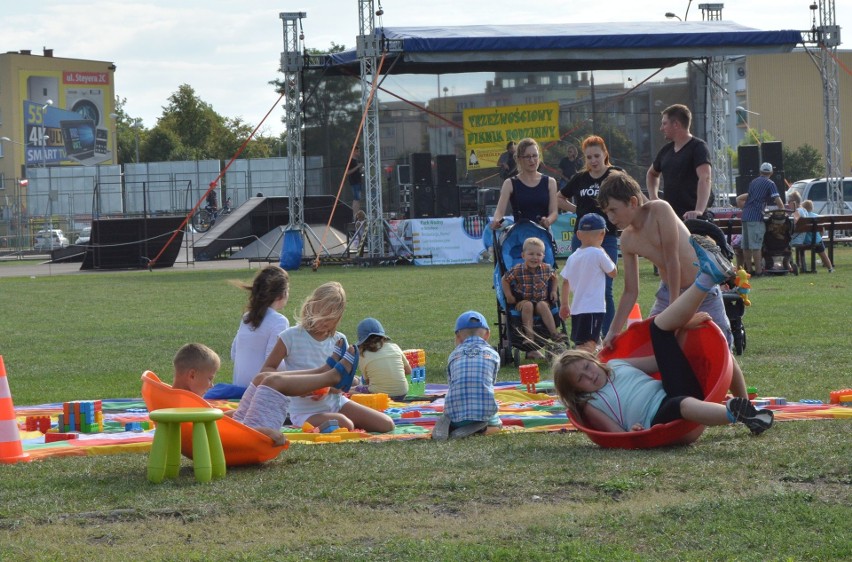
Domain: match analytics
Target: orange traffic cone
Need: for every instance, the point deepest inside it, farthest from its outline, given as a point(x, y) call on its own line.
point(10, 439)
point(634, 316)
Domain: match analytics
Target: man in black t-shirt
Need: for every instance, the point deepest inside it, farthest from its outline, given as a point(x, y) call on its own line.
point(571, 164)
point(684, 164)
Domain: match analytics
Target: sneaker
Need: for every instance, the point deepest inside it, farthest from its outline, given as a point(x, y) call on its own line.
point(742, 410)
point(441, 431)
point(468, 430)
point(710, 258)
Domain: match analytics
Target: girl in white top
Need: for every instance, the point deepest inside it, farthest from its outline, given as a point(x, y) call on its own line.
point(306, 346)
point(261, 323)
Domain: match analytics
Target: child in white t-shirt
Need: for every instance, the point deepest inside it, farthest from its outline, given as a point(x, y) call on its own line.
point(585, 275)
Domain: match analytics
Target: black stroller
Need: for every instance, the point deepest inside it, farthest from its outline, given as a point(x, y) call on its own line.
point(508, 245)
point(776, 243)
point(734, 305)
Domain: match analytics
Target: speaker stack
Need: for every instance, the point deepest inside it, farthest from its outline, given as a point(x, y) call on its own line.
point(752, 156)
point(774, 154)
point(748, 156)
point(447, 187)
point(423, 188)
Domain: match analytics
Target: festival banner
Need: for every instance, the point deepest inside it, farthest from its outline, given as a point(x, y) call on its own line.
point(487, 130)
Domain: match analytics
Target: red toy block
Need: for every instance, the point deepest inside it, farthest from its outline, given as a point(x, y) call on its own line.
point(51, 437)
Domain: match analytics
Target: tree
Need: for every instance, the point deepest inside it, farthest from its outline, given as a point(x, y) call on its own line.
point(803, 163)
point(127, 129)
point(190, 129)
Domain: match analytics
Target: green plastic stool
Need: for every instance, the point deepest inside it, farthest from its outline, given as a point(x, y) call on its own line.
point(207, 454)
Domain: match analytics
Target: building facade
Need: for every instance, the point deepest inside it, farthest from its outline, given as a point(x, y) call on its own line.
point(53, 112)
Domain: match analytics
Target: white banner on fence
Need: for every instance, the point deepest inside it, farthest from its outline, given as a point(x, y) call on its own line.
point(449, 241)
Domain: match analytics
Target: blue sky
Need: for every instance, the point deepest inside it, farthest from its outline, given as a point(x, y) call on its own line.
point(229, 51)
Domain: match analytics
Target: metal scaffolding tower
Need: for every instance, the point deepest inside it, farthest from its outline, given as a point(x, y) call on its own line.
point(827, 38)
point(292, 64)
point(369, 50)
point(718, 130)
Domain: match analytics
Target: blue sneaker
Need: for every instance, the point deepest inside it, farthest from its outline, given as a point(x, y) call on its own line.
point(710, 259)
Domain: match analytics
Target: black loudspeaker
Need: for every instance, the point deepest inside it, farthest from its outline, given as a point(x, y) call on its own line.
point(468, 204)
point(774, 154)
point(422, 201)
point(421, 168)
point(742, 184)
point(446, 169)
point(447, 201)
point(446, 188)
point(749, 160)
point(486, 200)
point(403, 174)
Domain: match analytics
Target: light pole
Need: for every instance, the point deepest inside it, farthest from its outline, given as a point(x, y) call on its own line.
point(749, 129)
point(136, 124)
point(671, 15)
point(114, 117)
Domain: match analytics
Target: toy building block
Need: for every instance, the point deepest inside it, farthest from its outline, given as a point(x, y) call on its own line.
point(38, 423)
point(379, 402)
point(839, 396)
point(321, 391)
point(328, 439)
point(411, 414)
point(529, 376)
point(51, 437)
point(752, 392)
point(328, 426)
point(307, 427)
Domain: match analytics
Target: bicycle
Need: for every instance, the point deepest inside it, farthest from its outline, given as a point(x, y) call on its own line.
point(204, 219)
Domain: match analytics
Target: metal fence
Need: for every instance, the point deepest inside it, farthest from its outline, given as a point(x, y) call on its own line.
point(70, 197)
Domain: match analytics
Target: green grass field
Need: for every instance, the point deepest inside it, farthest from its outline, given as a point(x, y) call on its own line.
point(782, 496)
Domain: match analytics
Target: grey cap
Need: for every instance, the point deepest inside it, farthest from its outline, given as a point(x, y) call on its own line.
point(766, 168)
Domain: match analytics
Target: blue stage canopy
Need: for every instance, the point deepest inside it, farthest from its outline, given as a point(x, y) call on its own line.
point(570, 47)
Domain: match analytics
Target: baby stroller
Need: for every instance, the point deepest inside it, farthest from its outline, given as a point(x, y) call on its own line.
point(734, 305)
point(508, 245)
point(776, 243)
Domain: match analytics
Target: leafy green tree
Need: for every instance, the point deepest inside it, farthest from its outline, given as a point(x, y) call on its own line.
point(161, 145)
point(803, 163)
point(126, 130)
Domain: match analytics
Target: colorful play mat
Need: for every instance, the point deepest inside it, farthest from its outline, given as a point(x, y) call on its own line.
point(520, 411)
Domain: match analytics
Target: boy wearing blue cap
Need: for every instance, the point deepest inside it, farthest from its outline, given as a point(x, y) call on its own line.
point(469, 406)
point(585, 275)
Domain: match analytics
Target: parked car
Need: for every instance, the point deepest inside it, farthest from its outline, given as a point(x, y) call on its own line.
point(53, 239)
point(84, 237)
point(817, 191)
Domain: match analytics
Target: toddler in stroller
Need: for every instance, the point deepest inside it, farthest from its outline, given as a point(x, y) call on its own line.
point(776, 243)
point(543, 318)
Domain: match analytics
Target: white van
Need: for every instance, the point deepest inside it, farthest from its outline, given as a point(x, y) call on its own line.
point(53, 239)
point(816, 191)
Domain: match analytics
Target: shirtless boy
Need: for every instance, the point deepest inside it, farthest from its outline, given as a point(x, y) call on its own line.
point(651, 229)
